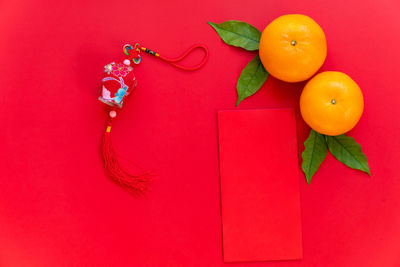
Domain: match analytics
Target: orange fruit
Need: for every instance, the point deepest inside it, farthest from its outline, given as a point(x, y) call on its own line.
point(331, 103)
point(292, 48)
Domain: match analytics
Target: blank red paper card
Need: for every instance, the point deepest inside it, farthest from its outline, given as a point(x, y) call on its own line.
point(259, 185)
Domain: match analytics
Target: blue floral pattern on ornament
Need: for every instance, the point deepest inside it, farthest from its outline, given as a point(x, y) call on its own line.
point(119, 95)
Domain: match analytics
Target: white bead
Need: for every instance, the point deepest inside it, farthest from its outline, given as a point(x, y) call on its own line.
point(113, 113)
point(127, 62)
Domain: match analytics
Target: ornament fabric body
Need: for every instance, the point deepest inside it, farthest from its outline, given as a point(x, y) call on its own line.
point(118, 82)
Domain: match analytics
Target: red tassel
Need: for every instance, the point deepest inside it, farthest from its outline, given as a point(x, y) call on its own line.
point(134, 184)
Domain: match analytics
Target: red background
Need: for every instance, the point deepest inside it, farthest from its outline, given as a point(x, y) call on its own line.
point(57, 208)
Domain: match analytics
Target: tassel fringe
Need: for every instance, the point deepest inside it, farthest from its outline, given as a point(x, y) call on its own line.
point(134, 184)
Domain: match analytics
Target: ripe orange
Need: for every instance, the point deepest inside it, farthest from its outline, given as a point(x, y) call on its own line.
point(292, 48)
point(331, 103)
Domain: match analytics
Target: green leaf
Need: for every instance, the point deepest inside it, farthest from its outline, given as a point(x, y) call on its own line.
point(238, 33)
point(251, 79)
point(314, 154)
point(348, 151)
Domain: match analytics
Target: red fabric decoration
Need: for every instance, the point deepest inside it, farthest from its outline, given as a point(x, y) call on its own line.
point(118, 83)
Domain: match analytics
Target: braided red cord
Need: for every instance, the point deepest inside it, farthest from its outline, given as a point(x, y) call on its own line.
point(174, 61)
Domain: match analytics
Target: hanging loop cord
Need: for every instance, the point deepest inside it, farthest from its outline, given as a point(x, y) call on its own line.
point(175, 61)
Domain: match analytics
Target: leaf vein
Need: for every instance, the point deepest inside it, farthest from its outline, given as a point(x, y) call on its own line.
point(348, 151)
point(241, 35)
point(252, 76)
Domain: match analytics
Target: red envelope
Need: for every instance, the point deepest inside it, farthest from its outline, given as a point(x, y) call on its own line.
point(259, 185)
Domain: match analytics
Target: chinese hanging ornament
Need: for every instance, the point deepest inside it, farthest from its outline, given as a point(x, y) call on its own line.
point(118, 83)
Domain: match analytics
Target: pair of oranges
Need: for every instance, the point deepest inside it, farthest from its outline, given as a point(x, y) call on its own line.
point(293, 48)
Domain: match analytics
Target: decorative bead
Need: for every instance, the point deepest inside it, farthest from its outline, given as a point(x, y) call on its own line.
point(113, 114)
point(333, 101)
point(293, 42)
point(127, 62)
